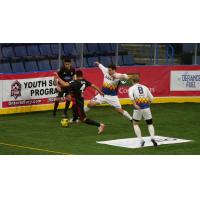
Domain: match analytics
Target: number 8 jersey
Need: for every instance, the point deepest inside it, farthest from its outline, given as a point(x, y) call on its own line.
point(141, 95)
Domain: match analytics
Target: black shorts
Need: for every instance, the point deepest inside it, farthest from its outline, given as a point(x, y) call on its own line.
point(64, 93)
point(78, 109)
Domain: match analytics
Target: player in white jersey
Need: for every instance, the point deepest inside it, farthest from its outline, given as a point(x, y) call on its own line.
point(110, 89)
point(141, 98)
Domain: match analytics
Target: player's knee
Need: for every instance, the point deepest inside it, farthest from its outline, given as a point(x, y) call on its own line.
point(92, 103)
point(68, 98)
point(120, 110)
point(149, 121)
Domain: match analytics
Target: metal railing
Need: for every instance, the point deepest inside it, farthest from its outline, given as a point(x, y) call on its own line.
point(169, 54)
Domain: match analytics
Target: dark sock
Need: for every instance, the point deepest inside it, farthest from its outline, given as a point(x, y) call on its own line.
point(66, 107)
point(75, 117)
point(56, 103)
point(91, 122)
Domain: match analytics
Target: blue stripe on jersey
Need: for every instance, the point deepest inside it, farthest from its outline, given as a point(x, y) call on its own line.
point(109, 92)
point(143, 105)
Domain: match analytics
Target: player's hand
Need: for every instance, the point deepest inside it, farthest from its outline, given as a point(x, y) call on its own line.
point(96, 63)
point(55, 75)
point(137, 107)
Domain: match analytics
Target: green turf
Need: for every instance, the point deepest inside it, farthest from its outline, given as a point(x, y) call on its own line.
point(40, 130)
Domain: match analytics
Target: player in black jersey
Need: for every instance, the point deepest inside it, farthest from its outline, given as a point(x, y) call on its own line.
point(67, 74)
point(77, 87)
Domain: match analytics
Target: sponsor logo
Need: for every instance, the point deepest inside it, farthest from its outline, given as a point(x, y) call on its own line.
point(185, 81)
point(16, 89)
point(135, 142)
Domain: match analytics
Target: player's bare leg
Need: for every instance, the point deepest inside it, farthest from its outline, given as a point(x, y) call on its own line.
point(68, 101)
point(138, 133)
point(151, 131)
point(56, 104)
point(124, 113)
point(90, 105)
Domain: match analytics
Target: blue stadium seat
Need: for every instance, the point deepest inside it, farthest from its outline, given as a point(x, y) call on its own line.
point(91, 61)
point(5, 68)
point(128, 60)
point(18, 67)
point(8, 52)
point(85, 49)
point(54, 64)
point(31, 66)
point(106, 60)
point(69, 49)
point(1, 55)
point(33, 50)
point(105, 47)
point(20, 51)
point(92, 47)
point(188, 47)
point(78, 63)
point(113, 46)
point(73, 63)
point(55, 49)
point(44, 65)
point(120, 60)
point(45, 49)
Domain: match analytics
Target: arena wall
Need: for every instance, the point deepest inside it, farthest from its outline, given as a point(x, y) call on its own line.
point(30, 92)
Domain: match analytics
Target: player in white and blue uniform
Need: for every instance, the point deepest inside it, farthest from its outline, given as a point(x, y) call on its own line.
point(141, 98)
point(110, 88)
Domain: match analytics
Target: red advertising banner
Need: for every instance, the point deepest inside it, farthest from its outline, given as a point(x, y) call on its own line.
point(38, 88)
point(157, 78)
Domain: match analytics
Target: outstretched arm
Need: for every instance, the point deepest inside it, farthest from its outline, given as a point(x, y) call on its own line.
point(60, 81)
point(122, 76)
point(97, 89)
point(101, 67)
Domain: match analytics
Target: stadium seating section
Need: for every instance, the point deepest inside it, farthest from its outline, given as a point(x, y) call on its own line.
point(25, 57)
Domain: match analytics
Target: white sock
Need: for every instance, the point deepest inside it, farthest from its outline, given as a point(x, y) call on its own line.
point(86, 108)
point(138, 132)
point(151, 131)
point(126, 114)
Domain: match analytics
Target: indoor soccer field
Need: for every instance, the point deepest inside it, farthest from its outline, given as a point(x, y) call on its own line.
point(39, 133)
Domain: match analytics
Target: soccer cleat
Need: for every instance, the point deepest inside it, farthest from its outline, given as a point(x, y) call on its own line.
point(101, 128)
point(74, 121)
point(142, 143)
point(154, 143)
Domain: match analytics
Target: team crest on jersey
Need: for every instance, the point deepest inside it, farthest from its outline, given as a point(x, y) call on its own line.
point(16, 89)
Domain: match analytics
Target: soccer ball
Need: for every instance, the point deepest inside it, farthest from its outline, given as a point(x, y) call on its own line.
point(64, 122)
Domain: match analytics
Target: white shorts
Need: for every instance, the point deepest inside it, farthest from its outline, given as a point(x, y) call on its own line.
point(111, 100)
point(145, 113)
